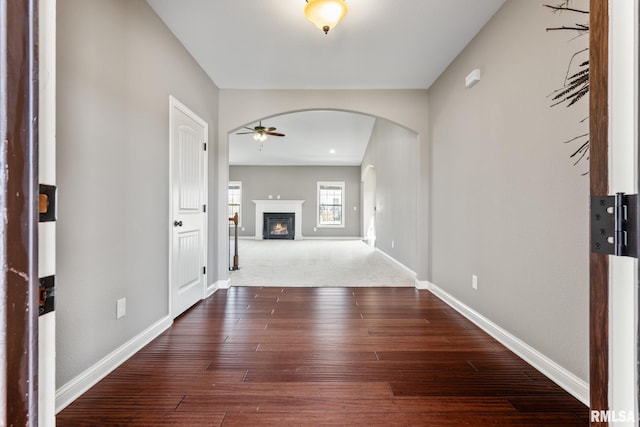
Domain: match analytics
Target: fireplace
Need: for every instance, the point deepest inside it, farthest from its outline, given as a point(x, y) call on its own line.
point(281, 207)
point(279, 225)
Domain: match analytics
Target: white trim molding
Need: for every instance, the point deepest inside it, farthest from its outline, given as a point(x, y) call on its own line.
point(556, 373)
point(422, 285)
point(343, 190)
point(223, 284)
point(412, 273)
point(237, 184)
point(214, 287)
point(331, 238)
point(69, 392)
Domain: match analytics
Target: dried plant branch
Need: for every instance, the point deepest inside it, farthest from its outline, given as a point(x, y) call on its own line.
point(584, 153)
point(581, 149)
point(576, 83)
point(573, 139)
point(560, 7)
point(576, 28)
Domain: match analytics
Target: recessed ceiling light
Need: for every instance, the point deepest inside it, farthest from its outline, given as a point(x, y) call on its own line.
point(332, 151)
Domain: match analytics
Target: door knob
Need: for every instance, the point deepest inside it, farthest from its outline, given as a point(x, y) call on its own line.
point(177, 223)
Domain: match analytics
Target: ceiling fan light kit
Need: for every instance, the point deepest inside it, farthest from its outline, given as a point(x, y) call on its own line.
point(325, 14)
point(260, 137)
point(260, 132)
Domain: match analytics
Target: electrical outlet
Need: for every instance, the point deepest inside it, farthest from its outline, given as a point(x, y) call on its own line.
point(474, 282)
point(121, 308)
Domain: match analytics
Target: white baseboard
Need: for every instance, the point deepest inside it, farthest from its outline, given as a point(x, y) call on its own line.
point(556, 373)
point(398, 263)
point(422, 284)
point(222, 284)
point(330, 238)
point(70, 391)
point(212, 288)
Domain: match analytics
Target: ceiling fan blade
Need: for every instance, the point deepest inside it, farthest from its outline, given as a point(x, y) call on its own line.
point(274, 133)
point(251, 129)
point(244, 133)
point(270, 129)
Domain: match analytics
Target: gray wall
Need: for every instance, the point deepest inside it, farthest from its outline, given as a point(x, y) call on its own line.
point(298, 183)
point(117, 66)
point(393, 153)
point(507, 203)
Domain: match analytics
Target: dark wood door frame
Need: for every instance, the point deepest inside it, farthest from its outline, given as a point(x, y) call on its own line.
point(18, 213)
point(599, 186)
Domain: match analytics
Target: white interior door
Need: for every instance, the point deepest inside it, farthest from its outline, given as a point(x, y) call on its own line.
point(188, 206)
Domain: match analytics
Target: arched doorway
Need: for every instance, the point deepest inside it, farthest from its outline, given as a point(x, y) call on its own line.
point(374, 158)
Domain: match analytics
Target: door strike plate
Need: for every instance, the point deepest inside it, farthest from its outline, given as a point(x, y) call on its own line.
point(614, 225)
point(47, 295)
point(47, 203)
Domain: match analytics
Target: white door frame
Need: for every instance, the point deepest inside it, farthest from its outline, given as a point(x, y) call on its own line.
point(623, 157)
point(175, 104)
point(47, 230)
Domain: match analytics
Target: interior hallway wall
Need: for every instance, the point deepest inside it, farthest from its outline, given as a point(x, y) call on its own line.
point(508, 204)
point(117, 65)
point(393, 153)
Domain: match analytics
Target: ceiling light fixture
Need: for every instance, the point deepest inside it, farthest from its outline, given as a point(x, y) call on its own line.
point(260, 132)
point(260, 137)
point(325, 14)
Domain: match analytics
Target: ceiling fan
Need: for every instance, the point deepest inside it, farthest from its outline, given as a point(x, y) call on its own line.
point(260, 132)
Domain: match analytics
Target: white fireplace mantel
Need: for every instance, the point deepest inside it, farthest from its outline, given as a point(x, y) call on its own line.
point(278, 206)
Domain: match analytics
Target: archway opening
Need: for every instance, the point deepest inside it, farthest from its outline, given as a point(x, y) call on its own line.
point(340, 149)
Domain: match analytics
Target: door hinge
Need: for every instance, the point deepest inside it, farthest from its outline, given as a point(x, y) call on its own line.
point(204, 270)
point(205, 146)
point(204, 208)
point(614, 225)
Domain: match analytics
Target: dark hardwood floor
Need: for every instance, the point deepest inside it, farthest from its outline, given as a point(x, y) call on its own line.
point(324, 357)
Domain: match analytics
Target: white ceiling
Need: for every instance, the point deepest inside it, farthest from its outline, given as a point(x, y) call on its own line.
point(310, 135)
point(269, 44)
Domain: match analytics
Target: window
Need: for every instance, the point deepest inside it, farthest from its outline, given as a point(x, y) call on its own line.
point(235, 200)
point(330, 204)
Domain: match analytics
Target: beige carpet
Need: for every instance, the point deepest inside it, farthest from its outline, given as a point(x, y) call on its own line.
point(315, 263)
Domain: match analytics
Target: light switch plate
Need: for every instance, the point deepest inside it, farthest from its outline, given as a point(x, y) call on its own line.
point(121, 308)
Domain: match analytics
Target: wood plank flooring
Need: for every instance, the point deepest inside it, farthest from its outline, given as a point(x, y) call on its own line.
point(252, 356)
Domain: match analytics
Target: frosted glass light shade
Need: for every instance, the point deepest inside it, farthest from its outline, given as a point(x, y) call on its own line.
point(325, 14)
